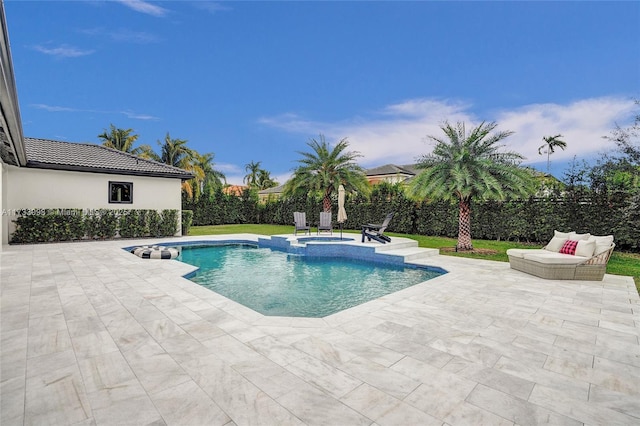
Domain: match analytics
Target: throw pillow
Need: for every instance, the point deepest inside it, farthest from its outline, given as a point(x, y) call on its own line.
point(558, 234)
point(579, 237)
point(555, 244)
point(602, 243)
point(585, 248)
point(569, 247)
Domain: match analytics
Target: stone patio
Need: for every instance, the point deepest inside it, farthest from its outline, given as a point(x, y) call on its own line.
point(92, 335)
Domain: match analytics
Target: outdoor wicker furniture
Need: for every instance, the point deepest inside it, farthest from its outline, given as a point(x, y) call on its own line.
point(589, 261)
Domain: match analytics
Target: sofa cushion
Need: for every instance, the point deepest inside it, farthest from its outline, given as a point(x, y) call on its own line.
point(579, 237)
point(585, 248)
point(603, 243)
point(559, 234)
point(555, 244)
point(555, 258)
point(521, 252)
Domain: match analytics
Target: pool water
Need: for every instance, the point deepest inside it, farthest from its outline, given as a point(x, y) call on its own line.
point(276, 283)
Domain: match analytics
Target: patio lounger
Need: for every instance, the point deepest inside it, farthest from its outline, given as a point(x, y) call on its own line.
point(325, 223)
point(588, 262)
point(300, 223)
point(376, 231)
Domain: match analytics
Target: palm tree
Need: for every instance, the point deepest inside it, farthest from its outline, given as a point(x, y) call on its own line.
point(550, 143)
point(469, 165)
point(264, 180)
point(174, 152)
point(324, 169)
point(209, 177)
point(120, 139)
point(253, 169)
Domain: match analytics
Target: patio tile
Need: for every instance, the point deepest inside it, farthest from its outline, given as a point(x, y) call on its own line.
point(626, 403)
point(90, 342)
point(577, 389)
point(187, 404)
point(385, 409)
point(392, 381)
point(56, 397)
point(577, 409)
point(324, 376)
point(48, 342)
point(515, 409)
point(314, 407)
point(155, 369)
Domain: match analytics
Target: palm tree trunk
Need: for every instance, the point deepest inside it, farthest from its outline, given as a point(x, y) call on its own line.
point(326, 203)
point(464, 225)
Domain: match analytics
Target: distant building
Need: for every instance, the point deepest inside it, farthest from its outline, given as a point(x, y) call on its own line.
point(270, 193)
point(234, 190)
point(389, 173)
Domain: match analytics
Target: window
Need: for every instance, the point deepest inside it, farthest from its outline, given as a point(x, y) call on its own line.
point(121, 192)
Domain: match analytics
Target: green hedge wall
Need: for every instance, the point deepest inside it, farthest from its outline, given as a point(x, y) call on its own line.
point(532, 220)
point(51, 225)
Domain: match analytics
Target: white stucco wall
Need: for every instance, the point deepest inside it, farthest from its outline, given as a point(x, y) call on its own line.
point(3, 202)
point(27, 188)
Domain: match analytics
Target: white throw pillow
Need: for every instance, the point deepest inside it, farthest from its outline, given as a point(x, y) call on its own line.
point(578, 237)
point(602, 243)
point(558, 234)
point(585, 248)
point(555, 244)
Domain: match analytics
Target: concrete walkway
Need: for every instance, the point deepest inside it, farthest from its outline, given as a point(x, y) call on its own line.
point(92, 335)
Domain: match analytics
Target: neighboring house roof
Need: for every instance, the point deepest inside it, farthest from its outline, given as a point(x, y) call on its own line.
point(81, 157)
point(275, 190)
point(234, 190)
point(392, 169)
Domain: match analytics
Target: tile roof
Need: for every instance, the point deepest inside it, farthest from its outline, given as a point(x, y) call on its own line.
point(82, 157)
point(391, 169)
point(275, 190)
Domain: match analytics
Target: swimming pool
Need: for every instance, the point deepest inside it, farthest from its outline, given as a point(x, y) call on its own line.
point(277, 283)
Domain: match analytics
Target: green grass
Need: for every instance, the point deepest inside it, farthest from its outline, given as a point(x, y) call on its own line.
point(621, 263)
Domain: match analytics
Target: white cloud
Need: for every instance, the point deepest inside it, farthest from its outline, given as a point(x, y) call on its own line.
point(144, 7)
point(123, 35)
point(582, 125)
point(398, 133)
point(63, 51)
point(52, 108)
point(135, 116)
point(129, 114)
point(211, 6)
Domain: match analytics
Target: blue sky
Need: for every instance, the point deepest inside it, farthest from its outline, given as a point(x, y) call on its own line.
point(254, 81)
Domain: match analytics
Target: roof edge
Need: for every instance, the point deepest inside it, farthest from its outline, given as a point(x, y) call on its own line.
point(50, 166)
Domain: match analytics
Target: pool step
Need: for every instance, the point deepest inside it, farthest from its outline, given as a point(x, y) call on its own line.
point(394, 245)
point(411, 253)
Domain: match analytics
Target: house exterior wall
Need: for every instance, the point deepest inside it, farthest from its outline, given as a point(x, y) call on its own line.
point(392, 179)
point(3, 202)
point(29, 188)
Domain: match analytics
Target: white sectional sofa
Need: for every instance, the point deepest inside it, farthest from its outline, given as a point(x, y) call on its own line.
point(555, 261)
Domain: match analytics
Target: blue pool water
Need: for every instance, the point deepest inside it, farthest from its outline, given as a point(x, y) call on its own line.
point(280, 284)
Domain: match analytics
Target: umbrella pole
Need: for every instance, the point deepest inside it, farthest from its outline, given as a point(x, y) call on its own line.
point(341, 231)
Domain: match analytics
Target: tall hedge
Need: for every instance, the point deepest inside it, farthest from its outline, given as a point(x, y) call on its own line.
point(532, 220)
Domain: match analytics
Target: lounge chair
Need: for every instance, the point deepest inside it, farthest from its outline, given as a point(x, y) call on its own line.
point(300, 222)
point(325, 223)
point(376, 231)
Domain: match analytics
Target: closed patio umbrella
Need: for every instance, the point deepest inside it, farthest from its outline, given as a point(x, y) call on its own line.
point(342, 213)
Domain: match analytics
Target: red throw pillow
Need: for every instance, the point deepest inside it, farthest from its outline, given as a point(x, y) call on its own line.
point(569, 247)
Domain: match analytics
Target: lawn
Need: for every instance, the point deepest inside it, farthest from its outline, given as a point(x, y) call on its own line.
point(621, 263)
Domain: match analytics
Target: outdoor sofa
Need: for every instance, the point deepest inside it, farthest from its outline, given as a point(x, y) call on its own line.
point(568, 256)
